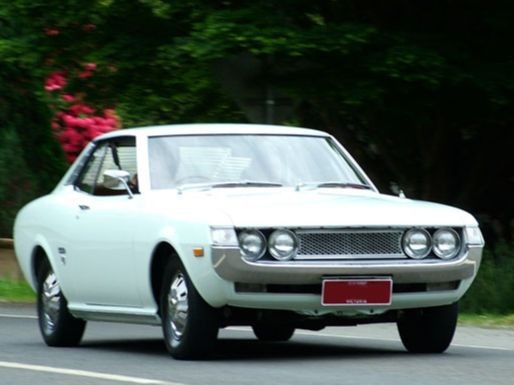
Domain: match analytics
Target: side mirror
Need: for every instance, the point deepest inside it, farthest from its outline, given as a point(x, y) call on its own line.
point(117, 180)
point(395, 188)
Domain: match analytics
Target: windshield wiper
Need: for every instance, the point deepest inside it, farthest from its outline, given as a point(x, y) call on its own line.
point(315, 185)
point(245, 183)
point(209, 186)
point(344, 185)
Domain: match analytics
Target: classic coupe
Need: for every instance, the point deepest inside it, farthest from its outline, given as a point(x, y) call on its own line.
point(199, 227)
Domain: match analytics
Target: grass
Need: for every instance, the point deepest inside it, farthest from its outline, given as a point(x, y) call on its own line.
point(487, 320)
point(16, 291)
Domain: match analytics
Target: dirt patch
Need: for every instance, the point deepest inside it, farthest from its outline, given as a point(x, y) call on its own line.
point(8, 265)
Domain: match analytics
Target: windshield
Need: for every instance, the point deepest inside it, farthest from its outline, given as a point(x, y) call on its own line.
point(251, 160)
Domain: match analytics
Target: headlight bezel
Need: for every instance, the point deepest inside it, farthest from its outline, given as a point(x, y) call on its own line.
point(252, 256)
point(407, 249)
point(276, 253)
point(436, 249)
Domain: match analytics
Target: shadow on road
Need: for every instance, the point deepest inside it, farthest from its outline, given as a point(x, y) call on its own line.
point(246, 349)
point(251, 349)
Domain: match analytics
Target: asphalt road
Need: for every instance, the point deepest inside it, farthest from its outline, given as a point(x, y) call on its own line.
point(113, 354)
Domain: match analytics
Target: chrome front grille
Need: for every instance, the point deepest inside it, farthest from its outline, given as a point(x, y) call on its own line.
point(350, 244)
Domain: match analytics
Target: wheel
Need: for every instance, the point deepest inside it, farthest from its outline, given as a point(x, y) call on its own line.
point(270, 332)
point(58, 327)
point(428, 330)
point(190, 325)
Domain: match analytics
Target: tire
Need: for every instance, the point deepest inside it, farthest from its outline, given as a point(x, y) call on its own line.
point(56, 324)
point(190, 325)
point(428, 330)
point(275, 333)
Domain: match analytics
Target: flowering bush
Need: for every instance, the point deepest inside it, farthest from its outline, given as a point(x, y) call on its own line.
point(75, 122)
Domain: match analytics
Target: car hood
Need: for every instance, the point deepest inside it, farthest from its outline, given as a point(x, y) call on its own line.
point(281, 207)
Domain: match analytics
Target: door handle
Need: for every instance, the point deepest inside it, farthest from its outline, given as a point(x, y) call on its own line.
point(84, 207)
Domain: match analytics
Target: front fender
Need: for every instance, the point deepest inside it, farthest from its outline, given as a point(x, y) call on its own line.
point(210, 286)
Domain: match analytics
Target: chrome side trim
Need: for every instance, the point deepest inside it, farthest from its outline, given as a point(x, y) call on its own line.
point(90, 315)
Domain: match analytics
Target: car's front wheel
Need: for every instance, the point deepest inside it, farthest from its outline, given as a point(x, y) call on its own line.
point(428, 330)
point(58, 327)
point(190, 325)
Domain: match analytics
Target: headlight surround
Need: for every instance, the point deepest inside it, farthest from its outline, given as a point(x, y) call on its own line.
point(252, 244)
point(283, 245)
point(417, 243)
point(473, 236)
point(223, 236)
point(446, 243)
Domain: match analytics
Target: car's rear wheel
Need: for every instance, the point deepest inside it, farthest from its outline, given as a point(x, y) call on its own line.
point(270, 332)
point(190, 325)
point(58, 327)
point(428, 330)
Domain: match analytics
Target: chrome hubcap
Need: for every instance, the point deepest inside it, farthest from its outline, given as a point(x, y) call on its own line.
point(178, 306)
point(51, 297)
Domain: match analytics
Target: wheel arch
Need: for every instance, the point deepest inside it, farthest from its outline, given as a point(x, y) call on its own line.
point(39, 256)
point(161, 256)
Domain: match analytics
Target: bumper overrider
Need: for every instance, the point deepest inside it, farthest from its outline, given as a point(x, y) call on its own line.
point(229, 265)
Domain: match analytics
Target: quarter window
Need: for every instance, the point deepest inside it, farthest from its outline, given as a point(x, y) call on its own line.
point(119, 154)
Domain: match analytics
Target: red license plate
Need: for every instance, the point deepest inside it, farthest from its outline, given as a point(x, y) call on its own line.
point(368, 291)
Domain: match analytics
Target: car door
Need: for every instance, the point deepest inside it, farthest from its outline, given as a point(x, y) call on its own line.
point(100, 258)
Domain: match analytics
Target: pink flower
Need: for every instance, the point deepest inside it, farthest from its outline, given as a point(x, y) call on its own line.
point(81, 109)
point(85, 74)
point(51, 31)
point(55, 81)
point(68, 98)
point(77, 123)
point(109, 112)
point(88, 27)
point(90, 66)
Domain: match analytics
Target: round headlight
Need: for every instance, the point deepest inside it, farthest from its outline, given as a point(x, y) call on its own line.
point(417, 243)
point(283, 245)
point(446, 243)
point(252, 244)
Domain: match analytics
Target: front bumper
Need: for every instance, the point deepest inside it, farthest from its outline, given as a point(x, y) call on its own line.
point(233, 270)
point(229, 265)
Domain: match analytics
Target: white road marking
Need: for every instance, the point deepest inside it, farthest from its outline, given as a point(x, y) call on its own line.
point(482, 347)
point(18, 316)
point(310, 333)
point(85, 373)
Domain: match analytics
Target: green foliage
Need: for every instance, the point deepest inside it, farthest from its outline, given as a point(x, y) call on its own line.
point(487, 320)
point(31, 161)
point(420, 92)
point(493, 289)
point(16, 182)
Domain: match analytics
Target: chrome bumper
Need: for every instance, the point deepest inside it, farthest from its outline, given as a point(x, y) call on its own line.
point(229, 265)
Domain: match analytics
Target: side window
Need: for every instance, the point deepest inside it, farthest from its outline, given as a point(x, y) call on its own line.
point(87, 179)
point(118, 154)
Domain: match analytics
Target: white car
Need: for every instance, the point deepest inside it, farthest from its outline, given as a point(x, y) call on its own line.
point(199, 227)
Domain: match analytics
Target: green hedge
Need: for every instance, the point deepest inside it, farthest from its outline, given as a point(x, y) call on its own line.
point(493, 289)
point(31, 160)
point(17, 183)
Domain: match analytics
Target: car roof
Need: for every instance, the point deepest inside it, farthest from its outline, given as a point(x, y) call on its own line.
point(206, 129)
